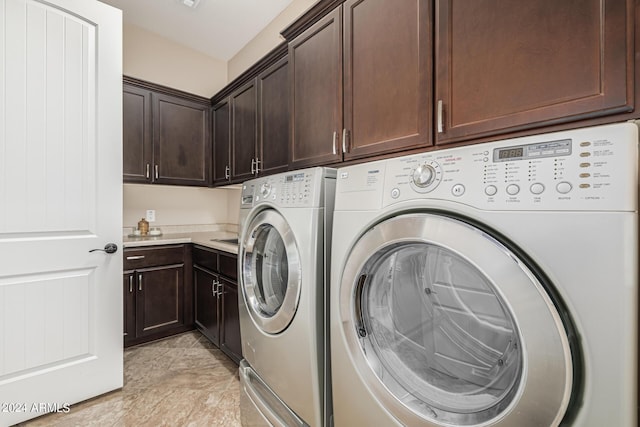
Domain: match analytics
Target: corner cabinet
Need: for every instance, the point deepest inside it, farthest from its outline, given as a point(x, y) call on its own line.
point(166, 138)
point(251, 127)
point(505, 66)
point(158, 301)
point(373, 102)
point(216, 299)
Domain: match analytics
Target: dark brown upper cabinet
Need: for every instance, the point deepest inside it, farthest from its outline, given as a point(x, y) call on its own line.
point(136, 134)
point(221, 128)
point(165, 135)
point(363, 92)
point(504, 66)
point(316, 93)
point(387, 76)
point(273, 118)
point(244, 123)
point(250, 122)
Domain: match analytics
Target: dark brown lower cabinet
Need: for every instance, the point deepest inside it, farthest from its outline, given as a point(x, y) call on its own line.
point(216, 304)
point(157, 303)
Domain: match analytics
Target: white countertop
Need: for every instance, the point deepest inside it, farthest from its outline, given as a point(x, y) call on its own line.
point(204, 238)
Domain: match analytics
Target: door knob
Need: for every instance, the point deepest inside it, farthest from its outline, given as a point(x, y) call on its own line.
point(109, 248)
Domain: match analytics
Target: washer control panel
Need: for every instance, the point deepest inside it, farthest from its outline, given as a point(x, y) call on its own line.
point(293, 189)
point(584, 169)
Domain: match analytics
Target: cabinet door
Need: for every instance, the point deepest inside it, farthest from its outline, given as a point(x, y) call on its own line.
point(505, 66)
point(159, 299)
point(387, 76)
point(230, 341)
point(206, 304)
point(221, 125)
point(181, 141)
point(244, 118)
point(316, 93)
point(129, 306)
point(273, 118)
point(136, 134)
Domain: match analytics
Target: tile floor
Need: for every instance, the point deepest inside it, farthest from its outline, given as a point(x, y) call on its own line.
point(178, 381)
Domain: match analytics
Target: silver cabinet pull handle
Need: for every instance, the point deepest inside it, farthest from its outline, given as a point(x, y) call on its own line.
point(253, 166)
point(257, 165)
point(147, 174)
point(214, 288)
point(220, 290)
point(140, 281)
point(440, 118)
point(344, 140)
point(131, 283)
point(227, 172)
point(135, 257)
point(335, 137)
point(157, 174)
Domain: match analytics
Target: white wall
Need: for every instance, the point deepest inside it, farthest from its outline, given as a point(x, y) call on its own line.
point(267, 39)
point(175, 205)
point(150, 57)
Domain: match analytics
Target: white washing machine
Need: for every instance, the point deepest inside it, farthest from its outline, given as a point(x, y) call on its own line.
point(489, 285)
point(283, 220)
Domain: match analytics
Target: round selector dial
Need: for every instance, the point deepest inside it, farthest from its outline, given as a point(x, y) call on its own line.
point(423, 175)
point(265, 189)
point(426, 176)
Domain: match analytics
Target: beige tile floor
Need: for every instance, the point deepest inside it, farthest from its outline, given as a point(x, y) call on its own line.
point(179, 381)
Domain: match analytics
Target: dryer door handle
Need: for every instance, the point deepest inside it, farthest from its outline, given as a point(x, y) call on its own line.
point(362, 332)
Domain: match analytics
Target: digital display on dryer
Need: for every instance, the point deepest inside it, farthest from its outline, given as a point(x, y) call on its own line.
point(511, 153)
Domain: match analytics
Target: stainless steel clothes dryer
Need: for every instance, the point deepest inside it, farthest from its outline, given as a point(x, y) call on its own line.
point(285, 220)
point(489, 285)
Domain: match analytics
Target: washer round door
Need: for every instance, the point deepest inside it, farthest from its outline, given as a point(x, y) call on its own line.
point(271, 272)
point(446, 326)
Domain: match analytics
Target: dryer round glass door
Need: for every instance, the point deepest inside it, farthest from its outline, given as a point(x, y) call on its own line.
point(447, 327)
point(271, 272)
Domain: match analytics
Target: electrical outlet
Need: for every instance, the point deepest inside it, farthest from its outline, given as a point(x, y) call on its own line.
point(151, 215)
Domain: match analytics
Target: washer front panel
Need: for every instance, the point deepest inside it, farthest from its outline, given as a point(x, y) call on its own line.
point(447, 327)
point(270, 272)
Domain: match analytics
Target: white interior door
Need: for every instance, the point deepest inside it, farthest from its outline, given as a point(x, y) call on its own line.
point(60, 196)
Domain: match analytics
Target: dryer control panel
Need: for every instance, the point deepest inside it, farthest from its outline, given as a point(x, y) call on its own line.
point(296, 189)
point(585, 169)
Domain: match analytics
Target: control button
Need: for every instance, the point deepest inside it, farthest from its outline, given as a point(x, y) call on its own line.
point(490, 190)
point(585, 144)
point(537, 188)
point(273, 197)
point(562, 151)
point(585, 175)
point(423, 175)
point(585, 185)
point(293, 197)
point(486, 153)
point(395, 193)
point(548, 153)
point(585, 154)
point(486, 159)
point(513, 189)
point(457, 190)
point(585, 165)
point(563, 187)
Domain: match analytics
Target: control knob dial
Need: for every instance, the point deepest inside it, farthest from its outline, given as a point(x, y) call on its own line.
point(265, 189)
point(423, 175)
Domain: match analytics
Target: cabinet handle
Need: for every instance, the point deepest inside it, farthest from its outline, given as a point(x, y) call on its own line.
point(335, 137)
point(257, 165)
point(440, 118)
point(140, 281)
point(147, 171)
point(157, 174)
point(135, 257)
point(131, 283)
point(220, 290)
point(345, 133)
point(227, 172)
point(253, 166)
point(214, 288)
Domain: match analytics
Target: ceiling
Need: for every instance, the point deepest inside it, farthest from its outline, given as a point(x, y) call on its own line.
point(218, 28)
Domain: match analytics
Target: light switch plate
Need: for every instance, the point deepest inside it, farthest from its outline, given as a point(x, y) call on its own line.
point(151, 215)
